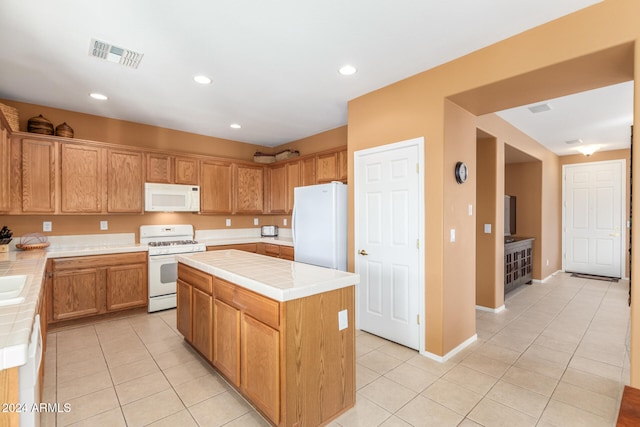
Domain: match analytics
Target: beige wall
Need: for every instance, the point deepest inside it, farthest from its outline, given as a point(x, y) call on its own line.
point(489, 247)
point(588, 49)
point(133, 134)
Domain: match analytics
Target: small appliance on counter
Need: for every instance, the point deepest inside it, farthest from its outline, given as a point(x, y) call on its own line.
point(269, 231)
point(5, 239)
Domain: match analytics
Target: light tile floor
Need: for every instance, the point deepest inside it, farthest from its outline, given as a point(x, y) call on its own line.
point(557, 356)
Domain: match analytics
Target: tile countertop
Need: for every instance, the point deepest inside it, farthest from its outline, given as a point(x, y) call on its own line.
point(282, 241)
point(16, 321)
point(275, 278)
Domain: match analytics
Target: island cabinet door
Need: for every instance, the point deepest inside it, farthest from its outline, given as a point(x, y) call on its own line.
point(202, 310)
point(226, 341)
point(260, 362)
point(183, 320)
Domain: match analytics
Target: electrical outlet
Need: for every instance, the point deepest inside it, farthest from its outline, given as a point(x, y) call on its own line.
point(46, 226)
point(343, 320)
point(255, 221)
point(228, 222)
point(452, 235)
point(104, 225)
point(284, 221)
point(487, 228)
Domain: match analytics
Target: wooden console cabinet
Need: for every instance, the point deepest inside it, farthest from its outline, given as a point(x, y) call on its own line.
point(518, 263)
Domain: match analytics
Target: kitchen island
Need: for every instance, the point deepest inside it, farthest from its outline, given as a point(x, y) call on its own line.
point(281, 332)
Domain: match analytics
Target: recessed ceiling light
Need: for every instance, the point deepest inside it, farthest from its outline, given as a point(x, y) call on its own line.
point(202, 79)
point(98, 96)
point(235, 126)
point(347, 70)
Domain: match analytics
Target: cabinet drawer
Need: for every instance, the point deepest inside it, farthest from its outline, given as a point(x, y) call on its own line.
point(195, 278)
point(257, 306)
point(271, 249)
point(96, 261)
point(286, 252)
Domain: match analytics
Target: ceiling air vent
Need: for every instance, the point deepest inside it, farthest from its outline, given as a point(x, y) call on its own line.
point(539, 108)
point(573, 141)
point(115, 54)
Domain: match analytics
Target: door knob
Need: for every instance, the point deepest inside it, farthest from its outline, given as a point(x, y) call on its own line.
point(363, 252)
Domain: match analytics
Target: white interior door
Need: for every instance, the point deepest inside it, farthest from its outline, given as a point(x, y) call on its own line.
point(593, 217)
point(388, 232)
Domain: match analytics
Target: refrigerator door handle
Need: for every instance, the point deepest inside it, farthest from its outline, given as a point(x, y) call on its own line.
point(293, 224)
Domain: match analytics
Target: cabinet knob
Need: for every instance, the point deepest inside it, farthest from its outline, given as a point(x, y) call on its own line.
point(363, 252)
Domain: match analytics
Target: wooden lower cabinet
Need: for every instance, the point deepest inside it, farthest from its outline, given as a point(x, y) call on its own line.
point(247, 247)
point(226, 341)
point(202, 322)
point(289, 359)
point(260, 366)
point(87, 286)
point(184, 309)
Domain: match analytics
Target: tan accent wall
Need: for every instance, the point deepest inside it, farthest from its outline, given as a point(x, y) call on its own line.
point(587, 49)
point(601, 156)
point(322, 141)
point(489, 247)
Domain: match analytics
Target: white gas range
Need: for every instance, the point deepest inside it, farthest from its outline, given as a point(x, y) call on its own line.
point(165, 242)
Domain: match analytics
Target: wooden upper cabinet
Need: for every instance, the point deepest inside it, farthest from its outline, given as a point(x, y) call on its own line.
point(249, 189)
point(343, 165)
point(5, 169)
point(159, 167)
point(81, 178)
point(38, 176)
point(331, 167)
point(186, 171)
point(277, 188)
point(294, 179)
point(168, 169)
point(308, 171)
point(125, 184)
point(216, 187)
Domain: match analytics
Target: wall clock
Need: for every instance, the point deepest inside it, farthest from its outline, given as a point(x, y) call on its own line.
point(462, 172)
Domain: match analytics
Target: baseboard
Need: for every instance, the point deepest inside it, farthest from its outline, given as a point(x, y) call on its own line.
point(452, 353)
point(490, 310)
point(546, 278)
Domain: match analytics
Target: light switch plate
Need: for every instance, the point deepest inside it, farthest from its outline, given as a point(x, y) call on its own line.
point(487, 228)
point(284, 221)
point(343, 320)
point(104, 225)
point(452, 235)
point(46, 226)
point(255, 221)
point(228, 222)
point(470, 210)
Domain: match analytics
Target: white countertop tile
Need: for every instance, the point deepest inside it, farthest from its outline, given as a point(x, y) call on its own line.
point(279, 279)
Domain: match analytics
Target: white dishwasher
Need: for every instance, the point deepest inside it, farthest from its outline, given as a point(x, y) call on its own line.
point(29, 377)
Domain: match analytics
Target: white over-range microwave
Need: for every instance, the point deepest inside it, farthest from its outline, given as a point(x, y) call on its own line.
point(171, 198)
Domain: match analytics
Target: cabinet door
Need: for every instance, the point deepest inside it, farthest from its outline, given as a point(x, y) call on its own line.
point(327, 167)
point(183, 320)
point(81, 178)
point(260, 366)
point(125, 181)
point(308, 171)
point(158, 167)
point(127, 286)
point(226, 341)
point(186, 171)
point(294, 179)
point(202, 312)
point(249, 189)
point(38, 176)
point(286, 252)
point(77, 293)
point(278, 189)
point(216, 188)
point(5, 170)
point(343, 165)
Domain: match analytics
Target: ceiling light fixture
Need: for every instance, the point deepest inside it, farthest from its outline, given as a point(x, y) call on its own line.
point(202, 79)
point(235, 126)
point(99, 96)
point(347, 70)
point(588, 150)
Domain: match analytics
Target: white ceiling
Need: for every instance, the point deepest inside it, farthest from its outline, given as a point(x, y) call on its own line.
point(273, 62)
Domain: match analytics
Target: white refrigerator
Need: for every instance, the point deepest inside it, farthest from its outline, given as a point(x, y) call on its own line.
point(319, 225)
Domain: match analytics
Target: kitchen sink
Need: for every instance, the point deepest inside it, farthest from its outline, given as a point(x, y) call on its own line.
point(11, 288)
